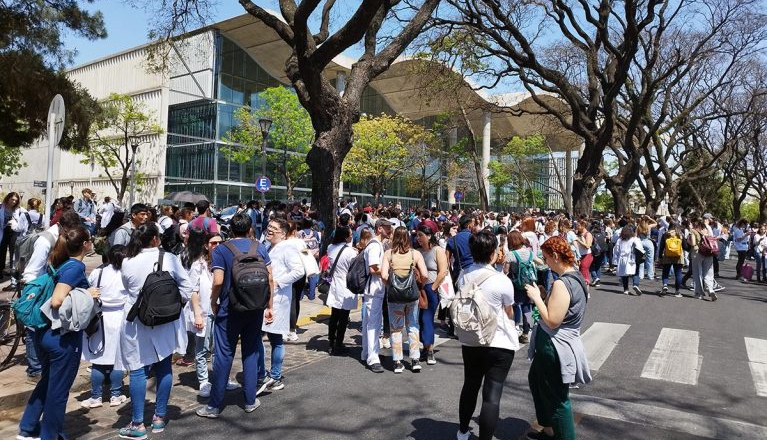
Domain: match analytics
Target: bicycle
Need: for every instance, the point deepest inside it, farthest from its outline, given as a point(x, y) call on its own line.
point(11, 331)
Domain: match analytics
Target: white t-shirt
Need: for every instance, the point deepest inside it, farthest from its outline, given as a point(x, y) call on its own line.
point(374, 256)
point(499, 292)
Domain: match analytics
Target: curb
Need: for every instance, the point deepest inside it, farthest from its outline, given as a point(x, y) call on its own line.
point(10, 403)
point(321, 315)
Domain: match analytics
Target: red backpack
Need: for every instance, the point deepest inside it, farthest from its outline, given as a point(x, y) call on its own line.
point(709, 246)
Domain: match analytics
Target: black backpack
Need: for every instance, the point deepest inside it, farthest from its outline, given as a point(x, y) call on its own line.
point(159, 301)
point(598, 243)
point(250, 280)
point(402, 289)
point(359, 273)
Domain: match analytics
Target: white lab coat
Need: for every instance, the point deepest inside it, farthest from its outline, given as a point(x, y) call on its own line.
point(623, 256)
point(140, 345)
point(22, 225)
point(38, 262)
point(286, 270)
point(339, 296)
point(107, 211)
point(202, 282)
point(113, 297)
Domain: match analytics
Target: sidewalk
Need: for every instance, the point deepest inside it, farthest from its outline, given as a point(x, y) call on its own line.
point(15, 388)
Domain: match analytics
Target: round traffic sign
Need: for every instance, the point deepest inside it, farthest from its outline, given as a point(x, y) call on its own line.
point(458, 195)
point(263, 184)
point(56, 112)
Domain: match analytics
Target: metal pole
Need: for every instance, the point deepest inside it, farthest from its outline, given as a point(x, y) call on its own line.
point(133, 177)
point(263, 168)
point(49, 175)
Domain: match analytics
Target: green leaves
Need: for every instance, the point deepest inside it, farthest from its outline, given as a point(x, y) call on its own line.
point(10, 160)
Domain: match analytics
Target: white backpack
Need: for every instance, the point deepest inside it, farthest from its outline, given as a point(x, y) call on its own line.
point(474, 319)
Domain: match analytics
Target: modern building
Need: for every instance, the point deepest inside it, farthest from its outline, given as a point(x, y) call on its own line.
point(224, 66)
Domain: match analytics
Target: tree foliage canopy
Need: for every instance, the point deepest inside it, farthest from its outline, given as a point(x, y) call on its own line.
point(32, 56)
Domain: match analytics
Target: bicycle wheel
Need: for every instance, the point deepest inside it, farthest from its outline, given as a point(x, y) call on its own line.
point(11, 332)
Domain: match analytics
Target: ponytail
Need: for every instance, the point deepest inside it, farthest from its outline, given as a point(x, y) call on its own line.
point(141, 238)
point(70, 244)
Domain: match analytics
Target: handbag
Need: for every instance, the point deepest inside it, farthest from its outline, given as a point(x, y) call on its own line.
point(323, 285)
point(310, 263)
point(423, 300)
point(402, 289)
point(97, 322)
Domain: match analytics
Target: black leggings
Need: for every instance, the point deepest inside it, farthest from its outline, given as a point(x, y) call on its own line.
point(339, 320)
point(741, 259)
point(7, 247)
point(295, 304)
point(492, 365)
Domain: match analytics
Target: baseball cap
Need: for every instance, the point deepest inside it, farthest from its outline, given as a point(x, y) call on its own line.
point(383, 222)
point(708, 215)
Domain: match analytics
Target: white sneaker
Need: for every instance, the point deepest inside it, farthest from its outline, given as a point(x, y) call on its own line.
point(463, 435)
point(93, 402)
point(232, 385)
point(117, 400)
point(21, 437)
point(204, 389)
point(291, 337)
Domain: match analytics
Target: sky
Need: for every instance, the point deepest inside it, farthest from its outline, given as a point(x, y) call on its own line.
point(127, 27)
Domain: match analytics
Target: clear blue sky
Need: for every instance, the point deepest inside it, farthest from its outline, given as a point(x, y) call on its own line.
point(127, 27)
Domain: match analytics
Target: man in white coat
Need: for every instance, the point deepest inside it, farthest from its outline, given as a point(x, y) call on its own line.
point(287, 268)
point(372, 300)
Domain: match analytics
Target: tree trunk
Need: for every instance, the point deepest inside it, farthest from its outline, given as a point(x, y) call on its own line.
point(586, 179)
point(620, 197)
point(584, 191)
point(762, 210)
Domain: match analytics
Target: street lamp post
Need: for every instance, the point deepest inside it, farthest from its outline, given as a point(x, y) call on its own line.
point(135, 141)
point(265, 124)
point(71, 187)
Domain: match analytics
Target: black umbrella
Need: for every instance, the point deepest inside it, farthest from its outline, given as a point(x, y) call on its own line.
point(186, 196)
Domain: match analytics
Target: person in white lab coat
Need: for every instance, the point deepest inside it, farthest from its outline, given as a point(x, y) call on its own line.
point(100, 349)
point(341, 300)
point(624, 257)
point(287, 268)
point(143, 348)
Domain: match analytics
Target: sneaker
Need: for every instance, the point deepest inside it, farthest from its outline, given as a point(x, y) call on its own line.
point(117, 400)
point(22, 436)
point(637, 290)
point(664, 290)
point(430, 358)
point(524, 338)
point(540, 435)
point(93, 402)
point(261, 385)
point(398, 367)
point(596, 283)
point(204, 390)
point(718, 287)
point(250, 408)
point(291, 337)
point(713, 296)
point(463, 435)
point(184, 363)
point(232, 385)
point(678, 294)
point(625, 292)
point(276, 385)
point(133, 431)
point(691, 288)
point(158, 424)
point(208, 412)
point(415, 366)
point(385, 342)
point(376, 368)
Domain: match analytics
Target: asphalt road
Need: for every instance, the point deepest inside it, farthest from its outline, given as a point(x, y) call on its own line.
point(337, 398)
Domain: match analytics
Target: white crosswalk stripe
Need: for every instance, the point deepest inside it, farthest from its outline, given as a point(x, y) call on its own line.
point(675, 357)
point(600, 340)
point(757, 362)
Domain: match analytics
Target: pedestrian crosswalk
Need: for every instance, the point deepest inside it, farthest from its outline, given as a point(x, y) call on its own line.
point(675, 356)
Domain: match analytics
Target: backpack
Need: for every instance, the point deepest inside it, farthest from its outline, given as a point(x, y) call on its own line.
point(526, 272)
point(250, 289)
point(672, 247)
point(359, 274)
point(159, 301)
point(709, 246)
point(639, 256)
point(97, 322)
point(34, 227)
point(474, 320)
point(25, 247)
point(598, 243)
point(402, 289)
point(171, 240)
point(33, 296)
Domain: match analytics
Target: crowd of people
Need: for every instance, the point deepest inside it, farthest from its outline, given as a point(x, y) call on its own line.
point(240, 280)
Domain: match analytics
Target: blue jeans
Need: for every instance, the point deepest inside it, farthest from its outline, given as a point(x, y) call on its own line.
point(677, 274)
point(163, 376)
point(60, 358)
point(99, 373)
point(34, 368)
point(761, 267)
point(523, 314)
point(648, 268)
point(245, 327)
point(202, 346)
point(278, 356)
point(426, 316)
point(403, 315)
